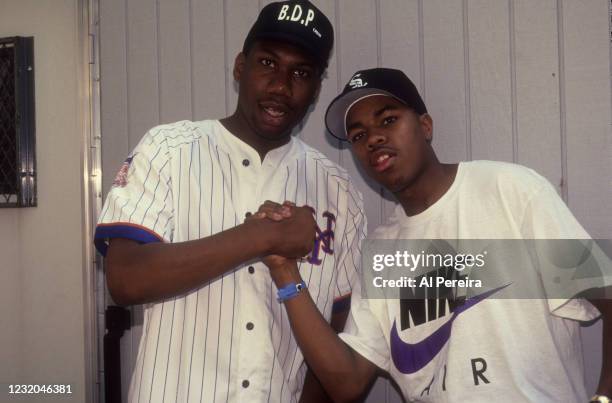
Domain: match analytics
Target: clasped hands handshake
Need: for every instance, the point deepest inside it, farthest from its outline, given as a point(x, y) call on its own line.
point(289, 232)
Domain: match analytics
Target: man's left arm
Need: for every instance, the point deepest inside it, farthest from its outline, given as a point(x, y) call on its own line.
point(313, 391)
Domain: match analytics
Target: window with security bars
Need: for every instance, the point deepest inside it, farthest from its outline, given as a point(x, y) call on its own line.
point(17, 129)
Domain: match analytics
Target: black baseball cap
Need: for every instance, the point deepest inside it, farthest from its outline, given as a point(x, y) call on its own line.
point(296, 22)
point(365, 83)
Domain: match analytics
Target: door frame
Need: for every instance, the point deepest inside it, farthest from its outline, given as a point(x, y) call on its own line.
point(89, 124)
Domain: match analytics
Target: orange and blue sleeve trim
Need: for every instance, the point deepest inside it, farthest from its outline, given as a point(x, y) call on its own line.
point(342, 303)
point(135, 232)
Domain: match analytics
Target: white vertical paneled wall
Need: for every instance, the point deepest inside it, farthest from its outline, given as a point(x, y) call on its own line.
point(514, 80)
point(536, 120)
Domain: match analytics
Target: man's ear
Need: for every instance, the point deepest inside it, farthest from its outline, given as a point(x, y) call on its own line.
point(427, 124)
point(239, 63)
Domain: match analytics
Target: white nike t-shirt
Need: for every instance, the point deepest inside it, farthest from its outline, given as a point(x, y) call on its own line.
point(502, 350)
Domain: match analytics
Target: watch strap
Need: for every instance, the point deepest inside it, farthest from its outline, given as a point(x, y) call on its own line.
point(289, 291)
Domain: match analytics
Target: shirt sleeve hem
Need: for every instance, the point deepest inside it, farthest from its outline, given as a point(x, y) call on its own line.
point(135, 232)
point(574, 309)
point(353, 342)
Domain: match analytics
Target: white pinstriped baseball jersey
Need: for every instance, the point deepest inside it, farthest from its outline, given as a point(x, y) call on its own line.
point(229, 340)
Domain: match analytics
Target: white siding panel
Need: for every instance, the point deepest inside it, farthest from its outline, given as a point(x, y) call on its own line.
point(175, 60)
point(263, 3)
point(113, 94)
point(490, 79)
point(399, 37)
point(589, 139)
point(588, 134)
point(538, 118)
point(208, 59)
point(143, 85)
point(445, 77)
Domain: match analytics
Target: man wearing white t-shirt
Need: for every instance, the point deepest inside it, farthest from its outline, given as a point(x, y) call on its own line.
point(485, 348)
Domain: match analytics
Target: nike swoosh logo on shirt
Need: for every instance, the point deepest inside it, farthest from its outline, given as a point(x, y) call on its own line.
point(409, 358)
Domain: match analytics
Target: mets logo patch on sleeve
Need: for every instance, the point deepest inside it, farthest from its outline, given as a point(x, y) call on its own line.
point(121, 177)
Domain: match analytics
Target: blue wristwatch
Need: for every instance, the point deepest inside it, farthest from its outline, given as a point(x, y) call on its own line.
point(289, 291)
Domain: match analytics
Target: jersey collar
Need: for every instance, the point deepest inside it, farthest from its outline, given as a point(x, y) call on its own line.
point(239, 150)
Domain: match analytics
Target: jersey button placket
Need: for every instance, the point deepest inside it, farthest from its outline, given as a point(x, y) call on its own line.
point(249, 183)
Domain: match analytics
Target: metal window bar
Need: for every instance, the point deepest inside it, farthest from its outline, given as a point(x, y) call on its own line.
point(17, 123)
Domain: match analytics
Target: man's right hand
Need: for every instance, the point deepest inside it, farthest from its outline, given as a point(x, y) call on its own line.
point(290, 230)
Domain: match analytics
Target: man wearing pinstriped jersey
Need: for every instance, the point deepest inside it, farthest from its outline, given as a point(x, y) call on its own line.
point(173, 231)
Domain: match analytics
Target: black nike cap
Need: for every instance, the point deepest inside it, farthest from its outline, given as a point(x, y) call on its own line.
point(365, 83)
point(296, 22)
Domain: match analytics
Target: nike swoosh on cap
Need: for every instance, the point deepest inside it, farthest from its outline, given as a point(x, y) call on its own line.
point(409, 358)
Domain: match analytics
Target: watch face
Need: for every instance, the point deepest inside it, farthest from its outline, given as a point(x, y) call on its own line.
point(298, 287)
